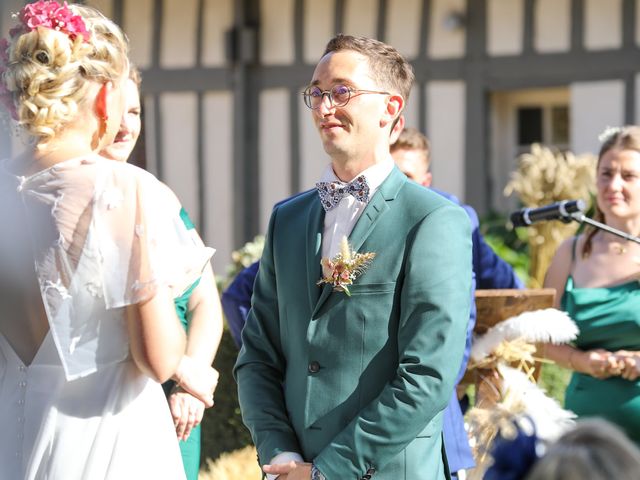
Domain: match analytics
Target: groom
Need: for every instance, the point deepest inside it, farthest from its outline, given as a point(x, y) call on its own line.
point(336, 385)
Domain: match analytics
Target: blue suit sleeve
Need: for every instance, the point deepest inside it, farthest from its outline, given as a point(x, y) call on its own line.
point(236, 301)
point(490, 270)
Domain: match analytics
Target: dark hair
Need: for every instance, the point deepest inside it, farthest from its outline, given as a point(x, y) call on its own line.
point(412, 139)
point(624, 138)
point(388, 67)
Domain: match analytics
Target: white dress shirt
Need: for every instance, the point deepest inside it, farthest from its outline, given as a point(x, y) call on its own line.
point(338, 223)
point(340, 220)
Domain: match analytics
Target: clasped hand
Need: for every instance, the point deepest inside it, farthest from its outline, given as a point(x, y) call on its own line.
point(289, 471)
point(198, 379)
point(604, 364)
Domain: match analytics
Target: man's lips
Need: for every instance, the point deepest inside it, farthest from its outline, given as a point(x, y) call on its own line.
point(329, 126)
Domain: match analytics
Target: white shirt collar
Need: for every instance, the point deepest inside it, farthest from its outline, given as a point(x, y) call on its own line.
point(375, 174)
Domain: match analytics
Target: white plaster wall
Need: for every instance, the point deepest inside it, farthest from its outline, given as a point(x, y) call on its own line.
point(218, 19)
point(602, 24)
point(594, 106)
point(276, 32)
point(313, 158)
point(360, 17)
point(445, 42)
point(178, 39)
point(446, 124)
point(552, 26)
point(180, 148)
point(138, 23)
point(505, 27)
point(218, 175)
point(273, 151)
point(411, 110)
point(318, 27)
point(105, 6)
point(402, 26)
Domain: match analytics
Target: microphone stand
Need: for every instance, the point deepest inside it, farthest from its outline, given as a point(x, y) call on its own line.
point(581, 218)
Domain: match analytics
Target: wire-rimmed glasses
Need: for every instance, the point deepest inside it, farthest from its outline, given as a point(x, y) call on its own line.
point(339, 95)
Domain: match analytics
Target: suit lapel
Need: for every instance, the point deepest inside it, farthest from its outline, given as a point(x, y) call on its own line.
point(377, 206)
point(315, 227)
point(365, 225)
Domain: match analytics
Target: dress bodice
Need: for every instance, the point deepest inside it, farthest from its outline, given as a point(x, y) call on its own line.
point(607, 317)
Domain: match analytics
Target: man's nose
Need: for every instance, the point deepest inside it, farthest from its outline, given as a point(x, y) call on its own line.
point(326, 104)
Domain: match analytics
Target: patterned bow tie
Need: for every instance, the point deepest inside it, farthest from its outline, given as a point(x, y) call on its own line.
point(332, 192)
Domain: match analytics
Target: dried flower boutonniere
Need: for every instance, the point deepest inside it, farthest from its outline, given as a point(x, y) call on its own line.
point(344, 268)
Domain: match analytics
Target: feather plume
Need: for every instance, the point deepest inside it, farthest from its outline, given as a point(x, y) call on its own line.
point(547, 326)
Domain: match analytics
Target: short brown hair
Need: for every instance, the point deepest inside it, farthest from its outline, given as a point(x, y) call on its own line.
point(412, 139)
point(388, 67)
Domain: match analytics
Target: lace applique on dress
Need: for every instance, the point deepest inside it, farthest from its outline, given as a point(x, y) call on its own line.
point(112, 198)
point(94, 288)
point(58, 287)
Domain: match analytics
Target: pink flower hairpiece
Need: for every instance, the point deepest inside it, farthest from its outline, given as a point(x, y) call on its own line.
point(50, 14)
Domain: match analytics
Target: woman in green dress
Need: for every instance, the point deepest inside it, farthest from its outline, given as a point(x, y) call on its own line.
point(198, 307)
point(596, 275)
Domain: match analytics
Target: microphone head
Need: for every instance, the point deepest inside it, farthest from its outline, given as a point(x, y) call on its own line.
point(518, 218)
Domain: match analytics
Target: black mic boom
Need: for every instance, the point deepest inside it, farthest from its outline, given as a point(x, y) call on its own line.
point(556, 211)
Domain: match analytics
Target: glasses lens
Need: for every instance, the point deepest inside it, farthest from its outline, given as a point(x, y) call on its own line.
point(340, 95)
point(312, 97)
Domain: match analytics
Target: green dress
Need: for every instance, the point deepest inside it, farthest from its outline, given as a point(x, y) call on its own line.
point(608, 318)
point(190, 448)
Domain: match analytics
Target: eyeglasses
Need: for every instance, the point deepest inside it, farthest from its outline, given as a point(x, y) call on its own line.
point(339, 95)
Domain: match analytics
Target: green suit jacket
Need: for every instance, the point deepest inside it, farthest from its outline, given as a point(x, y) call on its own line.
point(357, 384)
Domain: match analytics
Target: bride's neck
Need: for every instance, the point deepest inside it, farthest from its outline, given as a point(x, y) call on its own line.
point(63, 147)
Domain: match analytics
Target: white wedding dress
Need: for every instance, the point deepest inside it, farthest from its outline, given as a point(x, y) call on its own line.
point(101, 236)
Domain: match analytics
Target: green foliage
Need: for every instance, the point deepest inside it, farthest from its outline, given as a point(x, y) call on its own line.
point(554, 379)
point(222, 427)
point(510, 244)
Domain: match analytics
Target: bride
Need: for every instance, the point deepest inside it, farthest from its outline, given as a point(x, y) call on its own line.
point(89, 267)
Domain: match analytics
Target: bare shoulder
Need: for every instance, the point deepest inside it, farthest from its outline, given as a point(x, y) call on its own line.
point(560, 267)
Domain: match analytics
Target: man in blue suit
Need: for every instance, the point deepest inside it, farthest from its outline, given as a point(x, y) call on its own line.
point(411, 152)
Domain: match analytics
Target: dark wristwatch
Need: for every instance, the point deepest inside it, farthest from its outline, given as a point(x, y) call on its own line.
point(316, 474)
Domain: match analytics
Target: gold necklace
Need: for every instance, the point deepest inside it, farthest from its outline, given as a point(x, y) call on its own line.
point(619, 248)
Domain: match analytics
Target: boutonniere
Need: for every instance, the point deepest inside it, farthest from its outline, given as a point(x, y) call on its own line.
point(341, 270)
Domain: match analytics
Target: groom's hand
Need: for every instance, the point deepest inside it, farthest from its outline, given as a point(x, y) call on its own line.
point(289, 470)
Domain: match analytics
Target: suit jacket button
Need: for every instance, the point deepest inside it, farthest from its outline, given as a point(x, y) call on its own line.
point(314, 367)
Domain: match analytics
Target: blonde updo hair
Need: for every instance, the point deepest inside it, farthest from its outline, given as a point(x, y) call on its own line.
point(48, 73)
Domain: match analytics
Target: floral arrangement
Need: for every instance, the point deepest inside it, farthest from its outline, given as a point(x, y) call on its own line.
point(344, 268)
point(508, 397)
point(46, 14)
point(50, 14)
point(546, 176)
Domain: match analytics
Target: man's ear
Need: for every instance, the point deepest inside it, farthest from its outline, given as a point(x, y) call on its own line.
point(395, 104)
point(396, 130)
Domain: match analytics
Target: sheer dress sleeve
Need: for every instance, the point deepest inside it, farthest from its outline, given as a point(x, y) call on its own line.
point(102, 235)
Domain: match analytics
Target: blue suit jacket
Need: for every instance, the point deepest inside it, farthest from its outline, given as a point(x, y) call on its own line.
point(489, 270)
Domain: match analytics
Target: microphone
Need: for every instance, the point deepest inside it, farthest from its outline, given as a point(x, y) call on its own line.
point(555, 211)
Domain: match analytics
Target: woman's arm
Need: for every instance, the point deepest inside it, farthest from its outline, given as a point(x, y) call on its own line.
point(157, 339)
point(598, 363)
point(205, 319)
